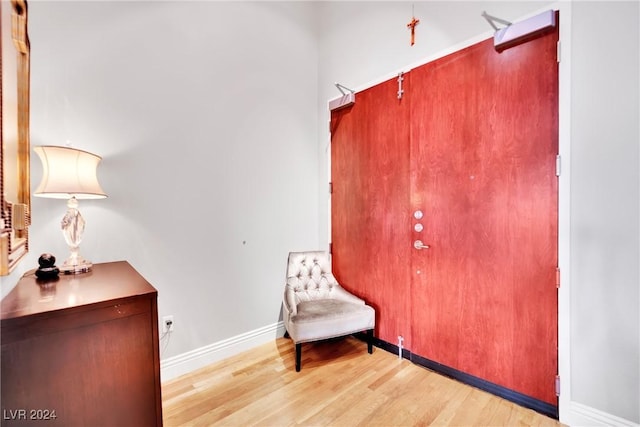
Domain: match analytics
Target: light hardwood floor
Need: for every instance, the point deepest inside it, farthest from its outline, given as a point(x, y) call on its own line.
point(340, 384)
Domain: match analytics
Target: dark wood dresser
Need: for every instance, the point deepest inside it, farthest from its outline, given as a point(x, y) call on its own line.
point(81, 351)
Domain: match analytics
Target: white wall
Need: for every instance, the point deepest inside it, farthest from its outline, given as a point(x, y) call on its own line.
point(605, 186)
point(211, 117)
point(205, 115)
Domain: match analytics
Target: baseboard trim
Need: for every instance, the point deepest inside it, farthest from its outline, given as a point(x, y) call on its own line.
point(184, 363)
point(500, 391)
point(583, 415)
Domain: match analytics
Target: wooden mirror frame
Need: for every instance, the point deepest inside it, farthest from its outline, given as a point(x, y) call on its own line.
point(15, 194)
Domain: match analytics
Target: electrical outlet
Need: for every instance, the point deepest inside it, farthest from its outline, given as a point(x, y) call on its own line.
point(167, 324)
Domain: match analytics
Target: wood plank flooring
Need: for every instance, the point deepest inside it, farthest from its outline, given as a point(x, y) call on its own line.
point(340, 384)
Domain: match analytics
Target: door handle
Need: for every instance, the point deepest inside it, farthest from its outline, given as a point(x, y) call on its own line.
point(419, 245)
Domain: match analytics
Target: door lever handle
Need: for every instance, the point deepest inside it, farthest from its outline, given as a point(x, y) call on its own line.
point(419, 245)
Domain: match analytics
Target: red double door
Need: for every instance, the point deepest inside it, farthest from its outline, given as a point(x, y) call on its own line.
point(444, 211)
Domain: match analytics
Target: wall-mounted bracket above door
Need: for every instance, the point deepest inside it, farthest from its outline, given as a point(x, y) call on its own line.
point(520, 32)
point(347, 99)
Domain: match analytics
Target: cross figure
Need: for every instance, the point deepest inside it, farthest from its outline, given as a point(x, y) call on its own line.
point(412, 25)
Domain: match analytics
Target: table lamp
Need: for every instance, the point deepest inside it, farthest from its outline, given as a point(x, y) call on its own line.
point(70, 174)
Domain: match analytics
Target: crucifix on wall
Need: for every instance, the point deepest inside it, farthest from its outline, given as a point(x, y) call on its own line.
point(412, 26)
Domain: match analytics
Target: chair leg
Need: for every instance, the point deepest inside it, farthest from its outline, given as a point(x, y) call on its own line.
point(298, 356)
point(370, 341)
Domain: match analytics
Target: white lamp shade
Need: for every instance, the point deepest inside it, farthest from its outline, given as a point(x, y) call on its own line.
point(67, 173)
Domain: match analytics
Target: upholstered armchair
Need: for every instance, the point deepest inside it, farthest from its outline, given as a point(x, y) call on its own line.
point(316, 307)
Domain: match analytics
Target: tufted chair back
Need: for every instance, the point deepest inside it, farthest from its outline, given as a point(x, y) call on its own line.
point(309, 278)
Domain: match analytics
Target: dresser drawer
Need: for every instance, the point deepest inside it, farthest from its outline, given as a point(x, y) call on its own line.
point(45, 323)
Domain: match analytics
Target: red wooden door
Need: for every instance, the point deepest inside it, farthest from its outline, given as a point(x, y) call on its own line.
point(484, 141)
point(370, 229)
point(472, 144)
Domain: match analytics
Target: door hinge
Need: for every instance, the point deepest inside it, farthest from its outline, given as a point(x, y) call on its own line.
point(558, 51)
point(558, 165)
point(558, 278)
point(331, 188)
point(400, 80)
point(331, 248)
point(557, 385)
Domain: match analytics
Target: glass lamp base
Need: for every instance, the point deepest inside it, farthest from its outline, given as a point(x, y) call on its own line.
point(73, 229)
point(76, 266)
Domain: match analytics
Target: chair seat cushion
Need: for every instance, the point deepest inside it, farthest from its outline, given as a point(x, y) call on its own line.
point(328, 318)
